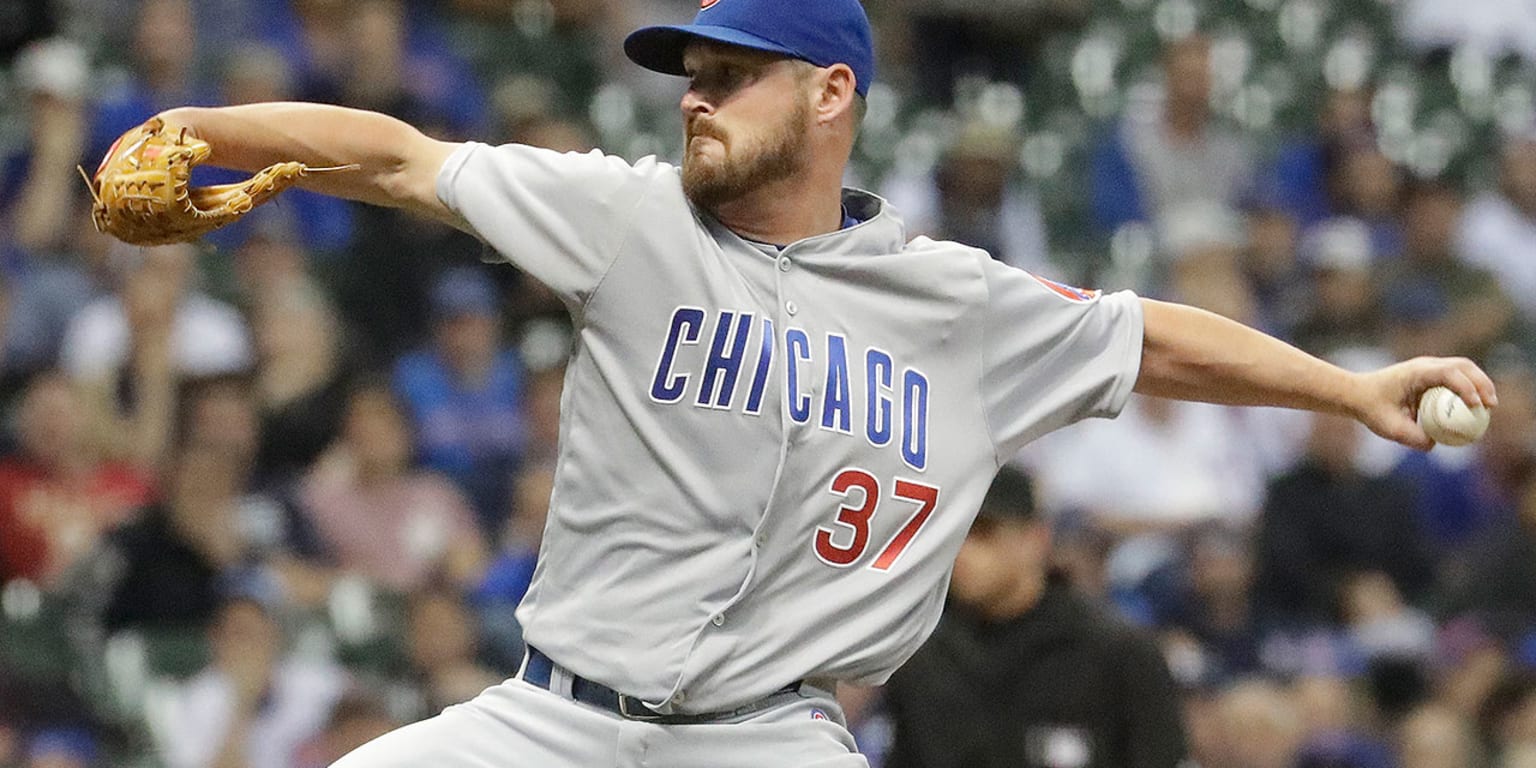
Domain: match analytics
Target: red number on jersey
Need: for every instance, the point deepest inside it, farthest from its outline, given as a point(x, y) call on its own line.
point(856, 517)
point(927, 497)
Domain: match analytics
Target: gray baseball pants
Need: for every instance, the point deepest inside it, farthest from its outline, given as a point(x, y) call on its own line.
point(519, 725)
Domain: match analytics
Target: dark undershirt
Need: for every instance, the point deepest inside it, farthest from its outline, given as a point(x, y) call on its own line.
point(848, 221)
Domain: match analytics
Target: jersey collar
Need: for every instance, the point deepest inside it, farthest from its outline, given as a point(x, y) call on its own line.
point(875, 229)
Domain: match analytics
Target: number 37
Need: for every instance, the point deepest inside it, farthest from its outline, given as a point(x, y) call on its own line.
point(861, 492)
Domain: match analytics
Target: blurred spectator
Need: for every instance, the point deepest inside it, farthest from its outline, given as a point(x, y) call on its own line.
point(1203, 243)
point(530, 508)
point(1155, 162)
point(1325, 524)
point(524, 109)
point(1302, 175)
point(1480, 313)
point(1334, 733)
point(301, 379)
point(1081, 552)
point(255, 72)
point(62, 748)
point(1368, 186)
point(1260, 727)
point(1396, 685)
point(357, 719)
point(48, 714)
point(376, 54)
point(1508, 717)
point(211, 527)
point(6, 376)
point(39, 194)
point(1417, 315)
point(254, 704)
point(1520, 756)
point(1345, 313)
point(464, 395)
point(1498, 587)
point(394, 66)
point(1498, 229)
point(1436, 737)
point(1381, 623)
point(10, 745)
point(38, 302)
point(1023, 672)
point(158, 284)
point(1160, 467)
point(542, 408)
point(1472, 661)
point(399, 527)
point(129, 349)
point(223, 415)
point(169, 563)
point(271, 258)
point(1205, 597)
point(975, 196)
point(382, 284)
point(1275, 274)
point(312, 35)
point(58, 497)
point(443, 668)
point(1202, 720)
point(53, 76)
point(219, 414)
point(163, 70)
point(510, 573)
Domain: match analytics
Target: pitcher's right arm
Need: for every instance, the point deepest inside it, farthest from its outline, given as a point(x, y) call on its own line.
point(398, 164)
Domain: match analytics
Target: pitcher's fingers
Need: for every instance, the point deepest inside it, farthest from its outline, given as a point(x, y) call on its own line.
point(1460, 382)
point(1484, 383)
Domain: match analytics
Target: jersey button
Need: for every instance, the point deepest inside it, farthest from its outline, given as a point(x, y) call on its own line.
point(785, 263)
point(679, 698)
point(791, 307)
point(718, 619)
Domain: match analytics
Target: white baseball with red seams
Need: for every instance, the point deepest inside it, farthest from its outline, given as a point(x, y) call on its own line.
point(1449, 421)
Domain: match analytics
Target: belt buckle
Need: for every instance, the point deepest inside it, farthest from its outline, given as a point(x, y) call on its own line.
point(645, 713)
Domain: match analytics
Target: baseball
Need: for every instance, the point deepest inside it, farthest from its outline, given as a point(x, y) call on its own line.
point(1447, 420)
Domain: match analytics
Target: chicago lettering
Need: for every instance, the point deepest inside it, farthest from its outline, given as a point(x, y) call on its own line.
point(827, 381)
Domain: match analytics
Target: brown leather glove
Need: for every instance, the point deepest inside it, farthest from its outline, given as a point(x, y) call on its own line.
point(143, 193)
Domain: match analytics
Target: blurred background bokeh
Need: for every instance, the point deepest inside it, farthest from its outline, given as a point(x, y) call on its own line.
point(269, 495)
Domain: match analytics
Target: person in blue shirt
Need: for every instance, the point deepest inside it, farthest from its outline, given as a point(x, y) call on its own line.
point(464, 392)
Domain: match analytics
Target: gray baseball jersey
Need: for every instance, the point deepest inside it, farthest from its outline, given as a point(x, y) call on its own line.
point(768, 459)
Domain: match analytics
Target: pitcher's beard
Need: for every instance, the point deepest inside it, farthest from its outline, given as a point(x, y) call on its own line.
point(710, 183)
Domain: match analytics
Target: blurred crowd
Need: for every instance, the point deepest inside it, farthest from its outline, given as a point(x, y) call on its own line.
point(268, 495)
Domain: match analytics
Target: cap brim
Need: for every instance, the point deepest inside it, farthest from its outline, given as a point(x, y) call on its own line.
point(660, 49)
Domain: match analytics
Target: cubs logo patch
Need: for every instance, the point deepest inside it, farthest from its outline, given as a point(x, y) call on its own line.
point(705, 4)
point(817, 714)
point(1080, 295)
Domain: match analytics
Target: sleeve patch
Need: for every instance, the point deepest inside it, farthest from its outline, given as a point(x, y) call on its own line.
point(1079, 295)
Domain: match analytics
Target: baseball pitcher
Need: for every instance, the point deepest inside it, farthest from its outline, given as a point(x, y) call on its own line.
point(781, 414)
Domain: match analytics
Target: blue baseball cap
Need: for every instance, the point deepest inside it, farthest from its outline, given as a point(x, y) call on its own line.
point(463, 291)
point(823, 32)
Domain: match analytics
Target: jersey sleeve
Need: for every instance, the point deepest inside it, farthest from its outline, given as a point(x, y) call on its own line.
point(560, 217)
point(1053, 355)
